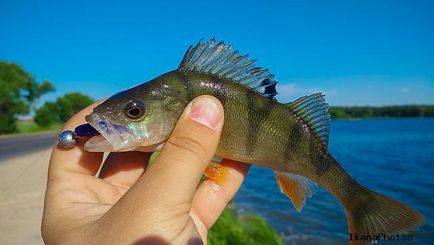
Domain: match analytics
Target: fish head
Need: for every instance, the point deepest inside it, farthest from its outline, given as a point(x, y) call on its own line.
point(140, 118)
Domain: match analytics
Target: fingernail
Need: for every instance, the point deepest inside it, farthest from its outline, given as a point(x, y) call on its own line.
point(205, 111)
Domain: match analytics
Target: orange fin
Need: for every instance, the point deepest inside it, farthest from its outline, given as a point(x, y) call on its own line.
point(296, 187)
point(216, 172)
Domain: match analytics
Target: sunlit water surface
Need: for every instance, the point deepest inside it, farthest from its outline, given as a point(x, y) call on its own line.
point(391, 156)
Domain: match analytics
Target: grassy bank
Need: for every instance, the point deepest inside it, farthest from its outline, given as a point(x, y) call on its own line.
point(28, 127)
point(231, 228)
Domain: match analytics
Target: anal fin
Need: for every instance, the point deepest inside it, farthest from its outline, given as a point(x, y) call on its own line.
point(296, 187)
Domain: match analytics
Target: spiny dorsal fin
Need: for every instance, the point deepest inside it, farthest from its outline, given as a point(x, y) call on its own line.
point(219, 59)
point(313, 110)
point(296, 187)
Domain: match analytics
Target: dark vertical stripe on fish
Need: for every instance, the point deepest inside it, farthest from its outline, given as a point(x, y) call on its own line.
point(219, 91)
point(293, 141)
point(322, 165)
point(187, 85)
point(257, 114)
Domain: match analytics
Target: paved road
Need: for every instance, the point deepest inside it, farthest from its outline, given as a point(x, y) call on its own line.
point(19, 145)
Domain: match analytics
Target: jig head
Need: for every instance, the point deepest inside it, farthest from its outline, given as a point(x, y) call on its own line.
point(69, 138)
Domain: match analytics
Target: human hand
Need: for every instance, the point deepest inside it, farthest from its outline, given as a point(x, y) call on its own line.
point(129, 203)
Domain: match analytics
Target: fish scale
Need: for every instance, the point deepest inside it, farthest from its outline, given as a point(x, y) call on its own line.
point(252, 141)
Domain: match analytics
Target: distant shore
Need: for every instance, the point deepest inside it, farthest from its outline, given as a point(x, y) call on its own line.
point(29, 127)
point(364, 112)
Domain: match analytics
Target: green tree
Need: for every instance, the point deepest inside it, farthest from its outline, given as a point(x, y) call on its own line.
point(60, 111)
point(47, 114)
point(18, 92)
point(71, 103)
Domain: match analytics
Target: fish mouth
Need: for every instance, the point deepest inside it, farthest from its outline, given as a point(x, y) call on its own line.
point(114, 137)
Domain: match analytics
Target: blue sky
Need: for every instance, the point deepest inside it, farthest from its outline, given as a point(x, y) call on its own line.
point(356, 52)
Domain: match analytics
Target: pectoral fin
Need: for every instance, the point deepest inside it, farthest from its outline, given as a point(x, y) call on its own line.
point(296, 187)
point(214, 171)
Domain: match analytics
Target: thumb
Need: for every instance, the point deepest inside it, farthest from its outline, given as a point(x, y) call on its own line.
point(162, 196)
point(176, 172)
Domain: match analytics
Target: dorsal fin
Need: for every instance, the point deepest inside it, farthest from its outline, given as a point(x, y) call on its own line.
point(219, 59)
point(313, 110)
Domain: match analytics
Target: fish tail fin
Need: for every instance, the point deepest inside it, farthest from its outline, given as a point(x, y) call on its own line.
point(373, 215)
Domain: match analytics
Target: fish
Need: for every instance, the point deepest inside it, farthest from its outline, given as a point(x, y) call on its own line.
point(290, 138)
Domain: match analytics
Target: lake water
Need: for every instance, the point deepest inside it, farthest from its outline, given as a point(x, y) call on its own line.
point(392, 156)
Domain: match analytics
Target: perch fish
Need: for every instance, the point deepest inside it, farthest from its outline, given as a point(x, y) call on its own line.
point(289, 138)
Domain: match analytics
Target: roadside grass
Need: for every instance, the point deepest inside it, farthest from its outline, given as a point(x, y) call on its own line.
point(28, 127)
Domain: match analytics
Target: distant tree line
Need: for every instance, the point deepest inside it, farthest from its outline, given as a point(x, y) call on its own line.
point(343, 112)
point(20, 92)
point(60, 111)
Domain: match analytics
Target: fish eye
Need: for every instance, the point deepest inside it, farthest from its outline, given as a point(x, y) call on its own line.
point(135, 110)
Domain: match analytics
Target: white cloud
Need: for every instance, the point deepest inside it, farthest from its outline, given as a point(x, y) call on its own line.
point(376, 90)
point(291, 91)
point(287, 88)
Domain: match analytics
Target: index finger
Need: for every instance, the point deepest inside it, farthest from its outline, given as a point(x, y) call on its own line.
point(76, 159)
